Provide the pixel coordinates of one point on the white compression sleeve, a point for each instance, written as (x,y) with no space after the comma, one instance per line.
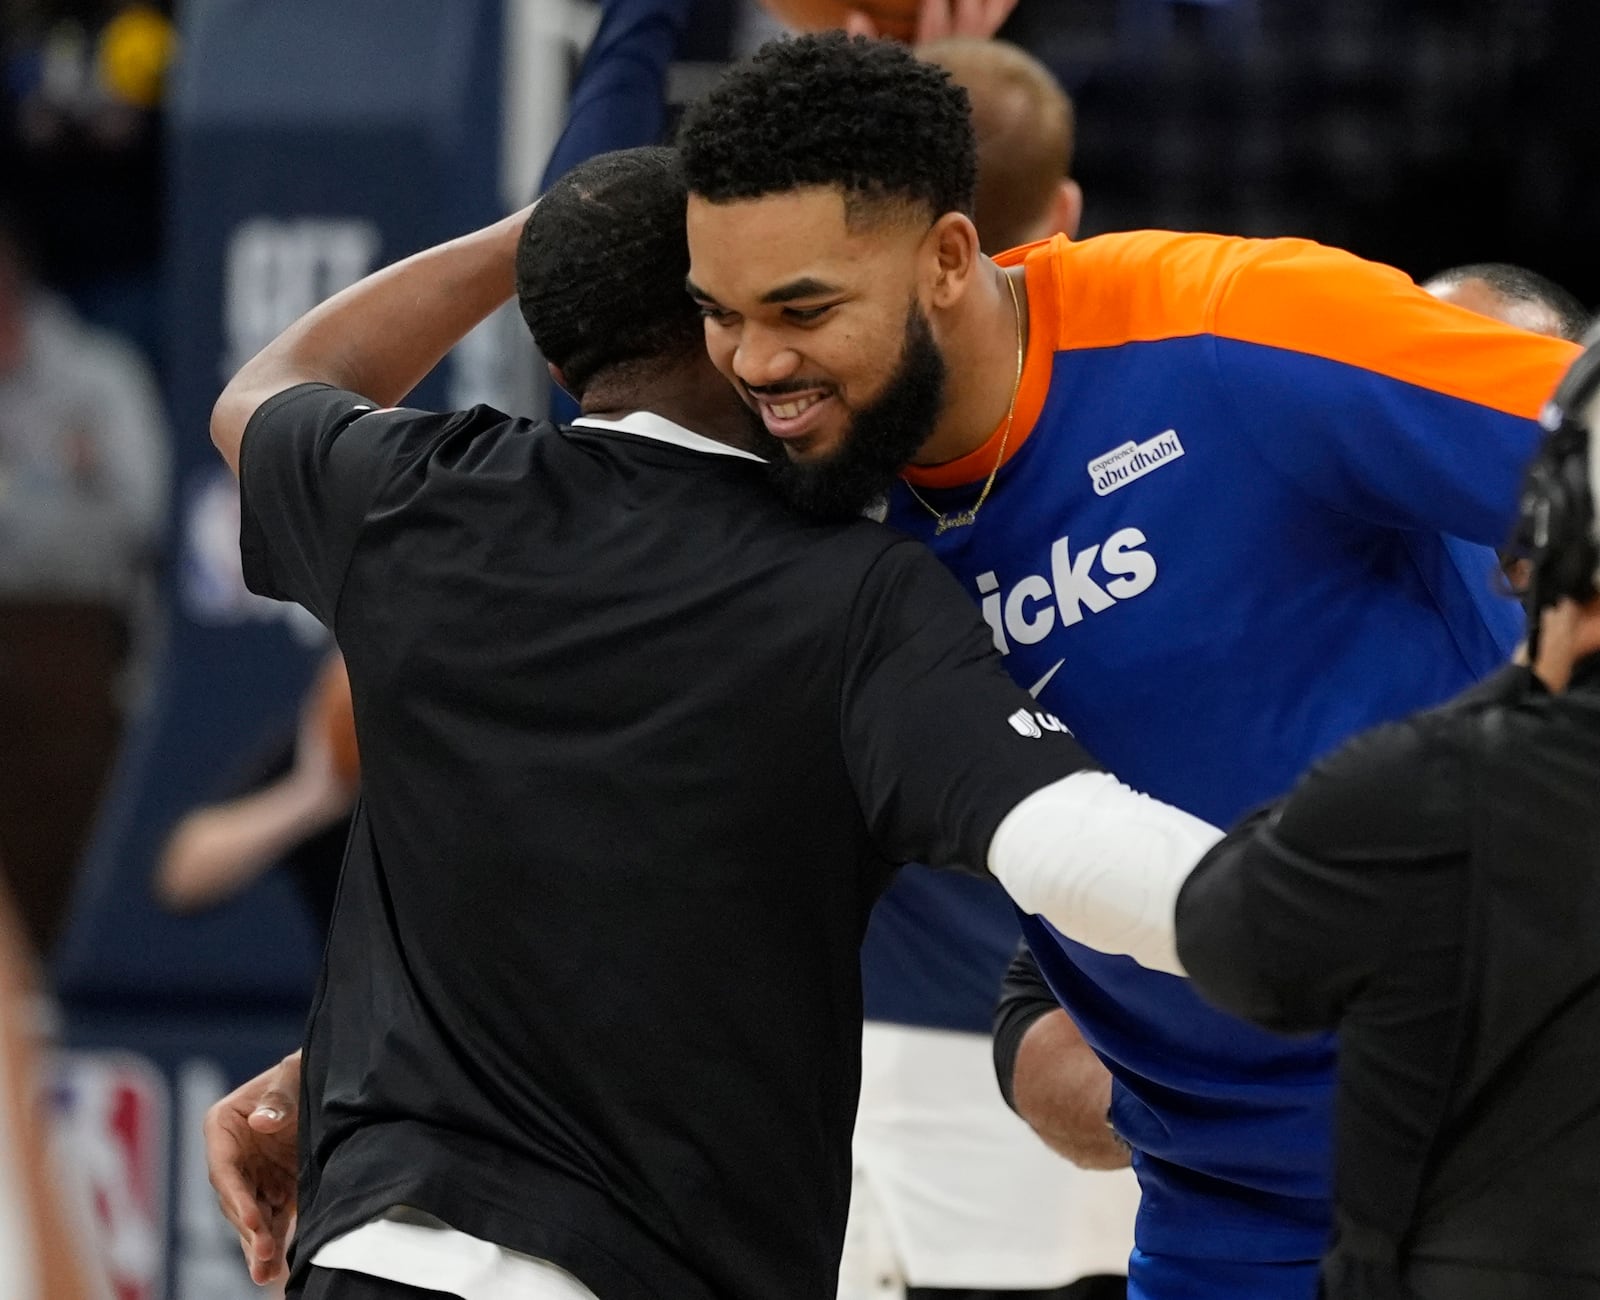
(1102,863)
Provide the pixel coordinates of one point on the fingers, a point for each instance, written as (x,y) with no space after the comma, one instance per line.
(250,1159)
(976,18)
(934,21)
(270,1261)
(273,1113)
(857,23)
(265,1260)
(225,1168)
(264,1232)
(999,11)
(274,1094)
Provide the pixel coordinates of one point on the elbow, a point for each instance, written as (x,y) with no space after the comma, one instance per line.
(184,879)
(229,416)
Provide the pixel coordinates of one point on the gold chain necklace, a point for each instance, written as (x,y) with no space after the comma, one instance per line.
(961,518)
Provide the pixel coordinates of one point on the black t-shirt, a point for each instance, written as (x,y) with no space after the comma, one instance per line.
(1432,890)
(639,747)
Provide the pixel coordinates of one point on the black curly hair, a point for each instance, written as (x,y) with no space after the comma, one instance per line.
(601,266)
(834,110)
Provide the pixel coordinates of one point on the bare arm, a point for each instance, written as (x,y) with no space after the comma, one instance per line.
(1048,1074)
(217,851)
(40,1250)
(380,337)
(1063,1091)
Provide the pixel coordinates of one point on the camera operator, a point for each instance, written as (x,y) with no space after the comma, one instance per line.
(1432,890)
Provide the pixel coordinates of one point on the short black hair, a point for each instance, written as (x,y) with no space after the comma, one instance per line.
(601,267)
(866,117)
(1522,285)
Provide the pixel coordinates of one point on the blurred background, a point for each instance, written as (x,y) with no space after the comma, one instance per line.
(180,180)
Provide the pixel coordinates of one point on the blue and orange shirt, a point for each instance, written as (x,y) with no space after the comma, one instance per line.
(1247,508)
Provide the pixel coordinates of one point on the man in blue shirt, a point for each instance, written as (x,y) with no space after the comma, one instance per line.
(1223,503)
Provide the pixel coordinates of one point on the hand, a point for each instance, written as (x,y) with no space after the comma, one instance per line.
(1559,645)
(1063,1091)
(937,18)
(251,1155)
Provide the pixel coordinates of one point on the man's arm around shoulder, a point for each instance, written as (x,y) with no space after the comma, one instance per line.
(381,336)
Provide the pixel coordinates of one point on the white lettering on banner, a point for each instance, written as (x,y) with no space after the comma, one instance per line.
(1121,465)
(277,270)
(1034,605)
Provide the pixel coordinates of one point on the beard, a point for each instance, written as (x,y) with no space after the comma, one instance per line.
(882,437)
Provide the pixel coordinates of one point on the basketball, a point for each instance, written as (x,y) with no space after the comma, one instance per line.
(897,18)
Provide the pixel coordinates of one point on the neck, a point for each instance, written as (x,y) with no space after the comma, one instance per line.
(694,396)
(981,385)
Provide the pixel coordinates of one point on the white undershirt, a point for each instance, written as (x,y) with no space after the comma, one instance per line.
(405,1246)
(646,424)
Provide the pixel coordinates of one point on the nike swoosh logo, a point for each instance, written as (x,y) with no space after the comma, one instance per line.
(1045,680)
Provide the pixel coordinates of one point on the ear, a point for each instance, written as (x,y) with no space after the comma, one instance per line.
(954,254)
(560,379)
(1066,209)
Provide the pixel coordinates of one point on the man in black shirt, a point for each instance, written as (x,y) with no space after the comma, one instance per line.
(1432,890)
(640,747)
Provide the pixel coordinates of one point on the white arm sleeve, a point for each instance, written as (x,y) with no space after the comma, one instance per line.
(1102,863)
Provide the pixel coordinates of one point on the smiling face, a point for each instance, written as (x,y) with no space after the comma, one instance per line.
(805,313)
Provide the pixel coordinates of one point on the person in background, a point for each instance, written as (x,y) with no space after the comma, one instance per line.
(1515,295)
(42,1250)
(1024,122)
(950,1191)
(1529,301)
(83,498)
(298,818)
(1432,890)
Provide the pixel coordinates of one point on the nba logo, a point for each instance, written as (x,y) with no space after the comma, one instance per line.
(112,1134)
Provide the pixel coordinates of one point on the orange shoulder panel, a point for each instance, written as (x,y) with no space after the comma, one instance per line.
(1324,302)
(1140,286)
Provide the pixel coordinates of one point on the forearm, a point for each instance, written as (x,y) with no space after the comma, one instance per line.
(215,852)
(50,1245)
(1102,864)
(1062,1089)
(619,100)
(380,337)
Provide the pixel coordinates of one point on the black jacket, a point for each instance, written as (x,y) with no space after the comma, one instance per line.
(1432,890)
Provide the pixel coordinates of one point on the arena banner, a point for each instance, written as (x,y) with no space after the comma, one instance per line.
(310,144)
